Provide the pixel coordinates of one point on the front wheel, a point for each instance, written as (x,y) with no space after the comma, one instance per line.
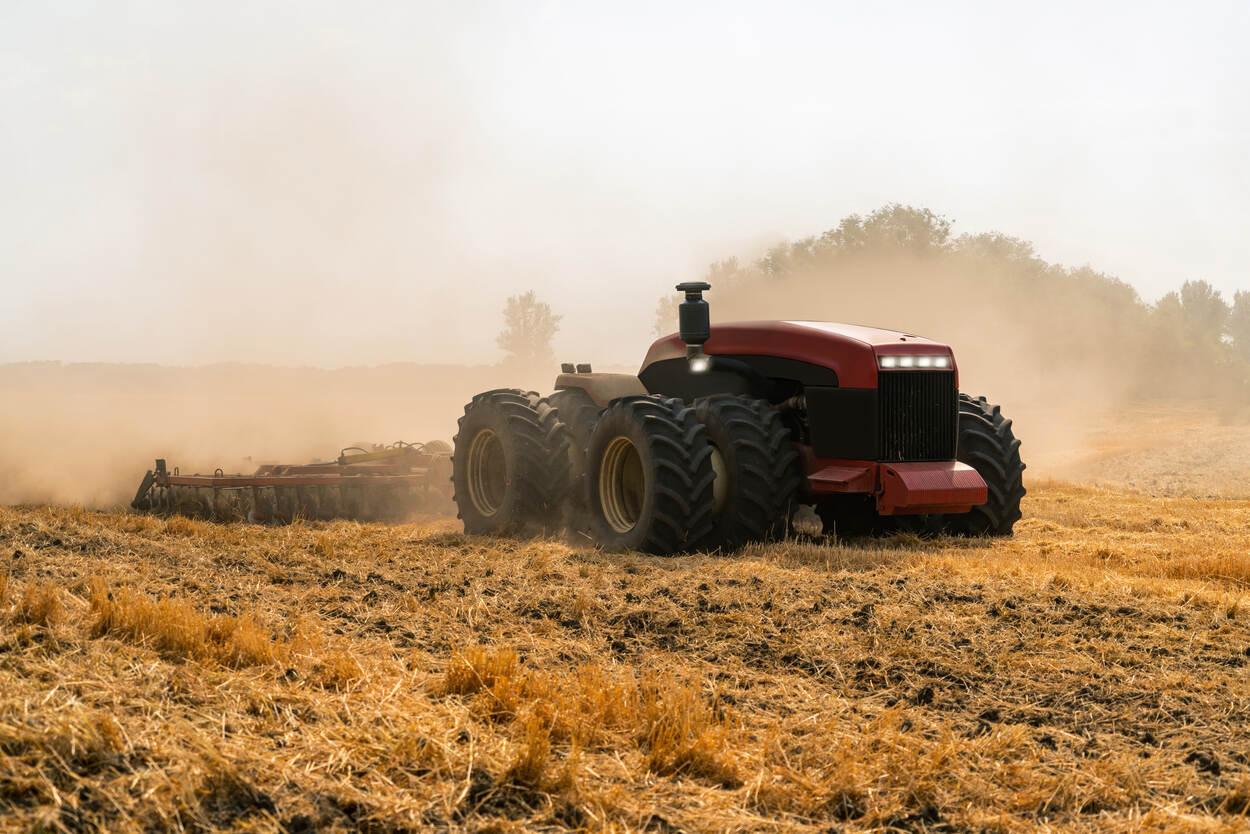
(988,445)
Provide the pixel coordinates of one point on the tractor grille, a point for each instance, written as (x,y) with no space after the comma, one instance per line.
(918,413)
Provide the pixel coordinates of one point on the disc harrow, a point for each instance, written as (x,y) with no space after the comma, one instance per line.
(382,483)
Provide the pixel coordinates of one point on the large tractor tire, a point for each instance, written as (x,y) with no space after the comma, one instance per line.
(756,468)
(649,476)
(510,468)
(987,444)
(578,414)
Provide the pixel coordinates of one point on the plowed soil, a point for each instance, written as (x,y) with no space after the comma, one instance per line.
(1089,674)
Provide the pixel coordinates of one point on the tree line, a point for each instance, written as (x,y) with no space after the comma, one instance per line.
(902,267)
(1011,314)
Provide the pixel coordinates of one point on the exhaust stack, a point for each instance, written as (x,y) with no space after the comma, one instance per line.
(694,325)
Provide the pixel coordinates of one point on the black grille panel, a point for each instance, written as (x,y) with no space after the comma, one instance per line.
(917,413)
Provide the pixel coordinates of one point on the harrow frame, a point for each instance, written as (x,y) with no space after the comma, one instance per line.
(384,483)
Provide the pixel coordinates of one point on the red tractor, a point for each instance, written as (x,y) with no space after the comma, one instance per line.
(725,432)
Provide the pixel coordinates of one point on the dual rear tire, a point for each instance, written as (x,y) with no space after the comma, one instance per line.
(510,465)
(646,473)
(649,476)
(662,476)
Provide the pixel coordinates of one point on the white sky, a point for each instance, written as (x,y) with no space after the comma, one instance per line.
(337,183)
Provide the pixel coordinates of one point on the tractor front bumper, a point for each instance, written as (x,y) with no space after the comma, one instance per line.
(918,488)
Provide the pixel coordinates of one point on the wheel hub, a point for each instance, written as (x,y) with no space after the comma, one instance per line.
(488,473)
(622,485)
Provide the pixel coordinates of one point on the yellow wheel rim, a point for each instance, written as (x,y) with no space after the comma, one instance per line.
(488,473)
(622,485)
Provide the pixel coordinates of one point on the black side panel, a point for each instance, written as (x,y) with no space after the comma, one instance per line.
(672,378)
(843,422)
(778,367)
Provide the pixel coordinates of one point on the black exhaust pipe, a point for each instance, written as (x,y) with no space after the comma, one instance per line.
(694,327)
(694,322)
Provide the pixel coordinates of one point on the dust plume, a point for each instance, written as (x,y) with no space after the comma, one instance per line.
(279,239)
(1102,387)
(84,434)
(308,216)
(295,215)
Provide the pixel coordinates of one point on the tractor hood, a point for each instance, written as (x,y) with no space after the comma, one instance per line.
(849,350)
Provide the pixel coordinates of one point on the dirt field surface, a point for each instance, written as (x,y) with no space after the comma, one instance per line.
(1201,450)
(1089,674)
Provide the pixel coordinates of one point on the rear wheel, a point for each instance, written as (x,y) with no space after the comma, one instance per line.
(649,476)
(756,470)
(510,469)
(988,445)
(578,414)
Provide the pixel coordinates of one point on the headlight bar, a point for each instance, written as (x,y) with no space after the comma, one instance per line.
(912,362)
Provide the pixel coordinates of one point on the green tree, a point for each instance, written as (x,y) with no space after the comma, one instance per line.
(891,227)
(787,259)
(529,327)
(1169,312)
(1239,324)
(1204,312)
(1111,292)
(996,246)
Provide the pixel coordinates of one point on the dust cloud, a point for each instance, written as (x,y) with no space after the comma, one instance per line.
(85,434)
(279,238)
(302,215)
(295,213)
(1097,391)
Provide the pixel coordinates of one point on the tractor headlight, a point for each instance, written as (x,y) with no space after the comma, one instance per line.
(908,362)
(699,364)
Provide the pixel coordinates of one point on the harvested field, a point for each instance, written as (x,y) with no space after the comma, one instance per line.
(1201,449)
(1089,674)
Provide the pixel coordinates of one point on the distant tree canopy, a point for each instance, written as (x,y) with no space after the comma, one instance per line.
(1238,325)
(1011,315)
(529,327)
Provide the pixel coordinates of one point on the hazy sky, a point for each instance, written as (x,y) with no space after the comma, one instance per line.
(336,183)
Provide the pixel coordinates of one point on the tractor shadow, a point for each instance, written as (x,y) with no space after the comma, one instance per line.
(833,553)
(830,551)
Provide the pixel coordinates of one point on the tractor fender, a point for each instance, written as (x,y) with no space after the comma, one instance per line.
(603,388)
